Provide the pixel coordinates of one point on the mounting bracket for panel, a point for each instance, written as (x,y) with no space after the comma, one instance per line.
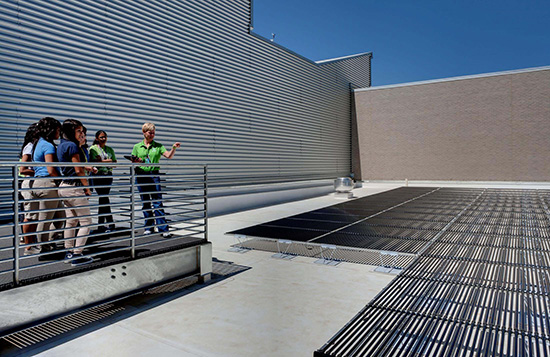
(385,268)
(328,260)
(283,255)
(238,248)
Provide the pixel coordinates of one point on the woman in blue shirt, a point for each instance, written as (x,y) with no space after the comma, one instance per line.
(75,191)
(44,186)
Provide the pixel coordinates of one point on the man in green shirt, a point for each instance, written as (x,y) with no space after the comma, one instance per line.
(148,181)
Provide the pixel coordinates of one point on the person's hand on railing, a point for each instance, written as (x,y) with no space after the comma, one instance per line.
(87,191)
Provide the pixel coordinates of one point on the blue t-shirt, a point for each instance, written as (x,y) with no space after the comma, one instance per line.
(65,151)
(42,149)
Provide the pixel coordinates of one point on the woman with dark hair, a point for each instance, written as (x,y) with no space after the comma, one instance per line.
(26,185)
(100,152)
(44,186)
(75,191)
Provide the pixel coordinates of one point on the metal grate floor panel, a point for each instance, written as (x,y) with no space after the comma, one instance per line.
(368,231)
(492,240)
(384,243)
(45,331)
(389,332)
(481,288)
(405,223)
(415,216)
(502,255)
(478,305)
(491,275)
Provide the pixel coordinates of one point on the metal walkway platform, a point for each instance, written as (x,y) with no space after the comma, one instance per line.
(52,265)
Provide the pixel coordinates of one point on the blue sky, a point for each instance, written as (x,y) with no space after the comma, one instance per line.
(413,40)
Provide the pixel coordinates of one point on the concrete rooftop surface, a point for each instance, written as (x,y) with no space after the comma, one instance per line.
(275,308)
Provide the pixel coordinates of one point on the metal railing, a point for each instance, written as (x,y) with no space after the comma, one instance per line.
(43,218)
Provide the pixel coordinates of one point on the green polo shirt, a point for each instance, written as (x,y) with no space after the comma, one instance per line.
(149,155)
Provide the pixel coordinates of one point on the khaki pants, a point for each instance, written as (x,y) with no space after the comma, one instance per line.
(76,206)
(45,189)
(29,206)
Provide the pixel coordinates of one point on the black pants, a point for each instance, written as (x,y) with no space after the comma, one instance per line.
(102,192)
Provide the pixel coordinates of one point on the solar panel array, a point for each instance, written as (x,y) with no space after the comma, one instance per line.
(385,221)
(480,287)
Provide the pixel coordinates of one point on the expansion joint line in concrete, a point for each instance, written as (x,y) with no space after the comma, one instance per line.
(374,215)
(442,231)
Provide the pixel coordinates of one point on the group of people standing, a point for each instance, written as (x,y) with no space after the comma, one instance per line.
(60,195)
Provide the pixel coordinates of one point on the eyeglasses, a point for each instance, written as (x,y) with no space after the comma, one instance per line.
(102,137)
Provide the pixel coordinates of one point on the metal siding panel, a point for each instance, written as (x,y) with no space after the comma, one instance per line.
(250,109)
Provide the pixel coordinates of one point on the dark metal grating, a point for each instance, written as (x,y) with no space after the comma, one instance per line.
(26,341)
(45,331)
(515,278)
(389,332)
(480,288)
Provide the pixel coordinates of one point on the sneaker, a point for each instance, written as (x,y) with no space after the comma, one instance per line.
(32,250)
(147,232)
(81,260)
(167,235)
(107,230)
(68,256)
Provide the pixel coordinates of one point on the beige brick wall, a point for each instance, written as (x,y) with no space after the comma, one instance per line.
(492,128)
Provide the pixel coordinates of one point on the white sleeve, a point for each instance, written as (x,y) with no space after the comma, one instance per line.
(27,150)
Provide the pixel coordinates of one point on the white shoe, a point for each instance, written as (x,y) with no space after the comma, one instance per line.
(167,235)
(147,232)
(32,250)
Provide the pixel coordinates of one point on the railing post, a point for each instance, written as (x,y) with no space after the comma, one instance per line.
(132,210)
(16,224)
(206,202)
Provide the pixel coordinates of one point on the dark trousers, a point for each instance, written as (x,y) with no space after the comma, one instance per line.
(104,202)
(150,192)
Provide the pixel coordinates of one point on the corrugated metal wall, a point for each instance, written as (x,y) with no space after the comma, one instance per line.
(250,109)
